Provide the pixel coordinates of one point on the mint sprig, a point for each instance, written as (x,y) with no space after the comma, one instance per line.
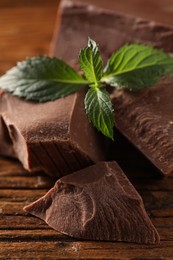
(42,79)
(133,67)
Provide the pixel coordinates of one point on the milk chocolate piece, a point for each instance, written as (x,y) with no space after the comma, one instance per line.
(160,11)
(145,118)
(96,203)
(55,136)
(110,28)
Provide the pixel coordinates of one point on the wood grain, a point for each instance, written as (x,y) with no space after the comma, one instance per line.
(26,29)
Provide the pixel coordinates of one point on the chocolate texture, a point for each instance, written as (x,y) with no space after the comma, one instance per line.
(145,118)
(160,11)
(55,136)
(96,203)
(110,28)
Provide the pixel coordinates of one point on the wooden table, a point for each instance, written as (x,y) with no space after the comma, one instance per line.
(25,30)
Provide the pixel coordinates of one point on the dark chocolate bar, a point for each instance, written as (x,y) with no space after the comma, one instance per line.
(96,203)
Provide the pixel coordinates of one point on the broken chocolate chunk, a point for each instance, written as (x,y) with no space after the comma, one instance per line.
(160,11)
(110,28)
(55,136)
(96,203)
(145,118)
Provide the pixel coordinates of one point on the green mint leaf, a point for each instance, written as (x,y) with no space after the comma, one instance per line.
(99,110)
(135,67)
(91,63)
(42,79)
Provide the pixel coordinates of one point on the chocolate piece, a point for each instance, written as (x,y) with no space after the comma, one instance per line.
(145,118)
(160,11)
(109,28)
(96,203)
(55,136)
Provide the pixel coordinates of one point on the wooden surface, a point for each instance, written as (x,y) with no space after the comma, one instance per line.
(26,29)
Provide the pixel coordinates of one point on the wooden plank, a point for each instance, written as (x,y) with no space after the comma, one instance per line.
(17,222)
(26,31)
(12,208)
(32,235)
(20,195)
(41,234)
(27,3)
(28,222)
(34,182)
(84,250)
